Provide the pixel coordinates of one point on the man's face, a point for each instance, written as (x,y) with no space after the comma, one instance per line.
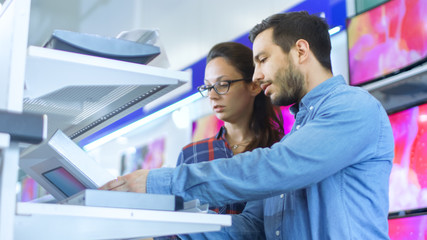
(275,71)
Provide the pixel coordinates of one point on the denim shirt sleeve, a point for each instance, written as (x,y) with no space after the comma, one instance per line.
(247,225)
(342,131)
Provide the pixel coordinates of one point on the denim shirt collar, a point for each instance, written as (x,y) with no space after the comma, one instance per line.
(316,93)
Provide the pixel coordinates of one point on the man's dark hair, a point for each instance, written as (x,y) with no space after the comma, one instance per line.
(288,28)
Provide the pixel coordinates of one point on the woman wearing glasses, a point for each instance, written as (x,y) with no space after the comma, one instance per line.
(250,120)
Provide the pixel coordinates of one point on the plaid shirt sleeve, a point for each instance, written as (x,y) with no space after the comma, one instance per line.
(207,150)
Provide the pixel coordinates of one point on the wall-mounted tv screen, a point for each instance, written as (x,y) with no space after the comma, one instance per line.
(408,179)
(386,40)
(408,228)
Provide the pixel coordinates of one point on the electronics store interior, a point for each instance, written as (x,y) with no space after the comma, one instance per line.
(95,90)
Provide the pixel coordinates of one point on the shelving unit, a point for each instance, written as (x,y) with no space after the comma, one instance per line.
(402,90)
(52,221)
(80,94)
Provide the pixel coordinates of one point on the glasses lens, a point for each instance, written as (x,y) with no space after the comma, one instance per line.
(222,87)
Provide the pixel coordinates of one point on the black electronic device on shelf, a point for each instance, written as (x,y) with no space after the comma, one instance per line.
(107,47)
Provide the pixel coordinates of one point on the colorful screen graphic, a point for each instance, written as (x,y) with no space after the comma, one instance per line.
(387,39)
(288,119)
(408,180)
(148,156)
(206,127)
(408,228)
(64,181)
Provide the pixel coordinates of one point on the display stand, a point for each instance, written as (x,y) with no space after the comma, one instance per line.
(54,221)
(402,90)
(14,15)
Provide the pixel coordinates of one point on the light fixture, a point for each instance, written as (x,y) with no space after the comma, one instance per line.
(128,128)
(181,117)
(334,30)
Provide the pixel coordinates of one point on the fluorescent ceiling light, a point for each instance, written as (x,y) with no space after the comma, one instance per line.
(141,122)
(334,30)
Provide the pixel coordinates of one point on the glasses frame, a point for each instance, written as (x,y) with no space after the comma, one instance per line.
(203,88)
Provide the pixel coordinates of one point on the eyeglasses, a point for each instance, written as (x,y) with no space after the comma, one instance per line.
(220,87)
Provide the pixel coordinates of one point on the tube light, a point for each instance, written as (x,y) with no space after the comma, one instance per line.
(334,30)
(141,122)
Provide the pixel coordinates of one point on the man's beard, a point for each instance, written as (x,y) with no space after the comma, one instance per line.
(291,86)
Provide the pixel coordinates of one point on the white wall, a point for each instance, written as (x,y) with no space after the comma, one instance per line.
(339,54)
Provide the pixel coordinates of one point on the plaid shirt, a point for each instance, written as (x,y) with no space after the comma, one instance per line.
(207,150)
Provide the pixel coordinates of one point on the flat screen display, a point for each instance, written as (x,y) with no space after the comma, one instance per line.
(386,40)
(408,179)
(288,119)
(408,228)
(64,181)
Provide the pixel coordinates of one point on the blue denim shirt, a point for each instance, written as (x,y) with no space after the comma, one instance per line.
(327,179)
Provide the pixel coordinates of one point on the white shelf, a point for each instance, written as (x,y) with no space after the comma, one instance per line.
(54,221)
(82,94)
(396,78)
(401,91)
(48,70)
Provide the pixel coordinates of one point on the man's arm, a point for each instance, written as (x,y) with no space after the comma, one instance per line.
(344,131)
(317,150)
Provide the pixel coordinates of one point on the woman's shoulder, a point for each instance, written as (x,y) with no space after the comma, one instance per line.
(200,142)
(206,149)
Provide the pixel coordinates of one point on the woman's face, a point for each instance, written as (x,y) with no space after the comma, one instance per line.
(237,104)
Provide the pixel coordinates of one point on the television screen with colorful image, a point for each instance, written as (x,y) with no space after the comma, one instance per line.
(148,156)
(408,179)
(408,228)
(386,40)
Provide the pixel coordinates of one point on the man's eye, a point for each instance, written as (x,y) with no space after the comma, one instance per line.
(261,60)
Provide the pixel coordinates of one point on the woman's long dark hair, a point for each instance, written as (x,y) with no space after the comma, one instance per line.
(267,120)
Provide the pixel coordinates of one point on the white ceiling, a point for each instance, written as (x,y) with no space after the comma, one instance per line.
(188,28)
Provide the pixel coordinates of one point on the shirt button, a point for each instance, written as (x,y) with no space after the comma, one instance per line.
(298,126)
(282,195)
(311,107)
(277,233)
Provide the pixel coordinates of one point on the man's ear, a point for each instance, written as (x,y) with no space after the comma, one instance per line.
(302,50)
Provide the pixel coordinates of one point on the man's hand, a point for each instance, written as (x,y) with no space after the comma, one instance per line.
(132,182)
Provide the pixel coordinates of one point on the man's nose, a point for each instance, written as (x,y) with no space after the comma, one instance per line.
(258,76)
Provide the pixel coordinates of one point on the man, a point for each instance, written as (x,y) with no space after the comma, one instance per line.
(327,179)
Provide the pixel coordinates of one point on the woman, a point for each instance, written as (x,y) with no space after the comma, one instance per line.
(250,119)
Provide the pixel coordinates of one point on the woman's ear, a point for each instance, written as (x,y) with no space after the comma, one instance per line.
(254,88)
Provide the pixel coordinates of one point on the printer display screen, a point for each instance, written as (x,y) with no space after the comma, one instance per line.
(64,181)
